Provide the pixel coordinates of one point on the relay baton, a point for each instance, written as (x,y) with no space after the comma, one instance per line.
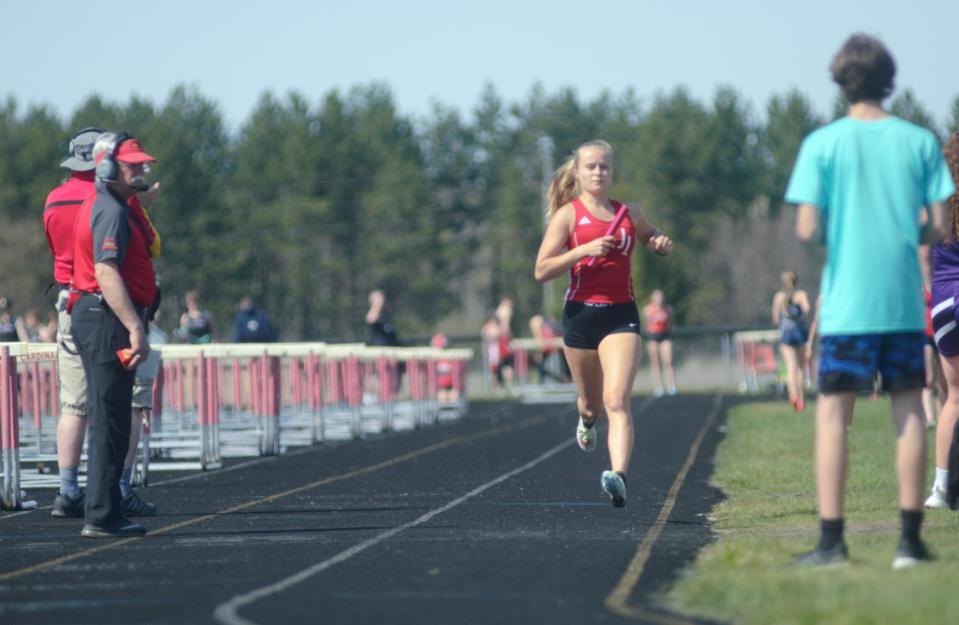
(618,219)
(125,355)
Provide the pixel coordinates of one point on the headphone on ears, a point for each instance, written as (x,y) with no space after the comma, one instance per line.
(107,167)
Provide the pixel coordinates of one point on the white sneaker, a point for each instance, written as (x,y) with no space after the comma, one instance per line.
(615,487)
(937,499)
(586,437)
(671,391)
(659,392)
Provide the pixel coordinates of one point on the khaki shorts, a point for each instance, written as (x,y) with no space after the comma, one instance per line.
(72,380)
(143,383)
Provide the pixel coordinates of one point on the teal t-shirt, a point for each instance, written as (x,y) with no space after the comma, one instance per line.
(869,180)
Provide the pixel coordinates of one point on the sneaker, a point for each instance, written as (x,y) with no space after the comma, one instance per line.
(909,554)
(66,507)
(134,506)
(586,437)
(615,487)
(658,392)
(823,558)
(937,499)
(800,405)
(123,528)
(671,391)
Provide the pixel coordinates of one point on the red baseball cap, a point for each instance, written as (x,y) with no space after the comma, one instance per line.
(131,152)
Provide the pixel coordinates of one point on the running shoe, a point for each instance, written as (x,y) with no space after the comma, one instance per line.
(671,391)
(586,437)
(66,507)
(134,506)
(659,392)
(910,554)
(615,487)
(937,499)
(823,558)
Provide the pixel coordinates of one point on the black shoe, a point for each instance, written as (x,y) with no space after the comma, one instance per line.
(123,528)
(67,507)
(823,558)
(909,554)
(134,506)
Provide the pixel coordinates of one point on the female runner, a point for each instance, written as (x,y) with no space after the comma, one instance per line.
(600,320)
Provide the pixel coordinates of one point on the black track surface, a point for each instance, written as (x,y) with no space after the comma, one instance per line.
(543,546)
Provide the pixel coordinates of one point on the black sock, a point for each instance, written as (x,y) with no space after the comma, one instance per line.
(911,522)
(587,424)
(622,475)
(831,533)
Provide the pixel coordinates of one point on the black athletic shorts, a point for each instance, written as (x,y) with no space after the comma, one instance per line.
(659,337)
(586,325)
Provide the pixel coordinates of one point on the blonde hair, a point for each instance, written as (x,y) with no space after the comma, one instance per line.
(563,188)
(789,281)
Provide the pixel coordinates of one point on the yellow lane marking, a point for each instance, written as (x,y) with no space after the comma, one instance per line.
(617,601)
(267,499)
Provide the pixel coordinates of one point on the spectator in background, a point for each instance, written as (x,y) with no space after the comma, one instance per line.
(865,178)
(945,314)
(11,326)
(505,370)
(48,331)
(251,325)
(446,388)
(790,311)
(657,316)
(549,360)
(489,340)
(497,340)
(142,406)
(32,326)
(382,332)
(935,391)
(196,324)
(379,321)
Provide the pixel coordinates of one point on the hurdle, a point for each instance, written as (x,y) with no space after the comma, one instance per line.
(548,389)
(216,401)
(13,386)
(756,359)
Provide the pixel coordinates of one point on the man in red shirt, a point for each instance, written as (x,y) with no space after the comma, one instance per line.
(59,219)
(113,291)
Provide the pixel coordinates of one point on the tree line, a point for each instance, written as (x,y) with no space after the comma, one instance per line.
(310,205)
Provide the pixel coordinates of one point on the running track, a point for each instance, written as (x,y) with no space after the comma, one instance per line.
(496,518)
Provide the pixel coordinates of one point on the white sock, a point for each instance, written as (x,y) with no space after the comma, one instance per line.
(942,479)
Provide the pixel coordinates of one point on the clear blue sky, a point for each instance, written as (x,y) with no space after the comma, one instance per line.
(59,52)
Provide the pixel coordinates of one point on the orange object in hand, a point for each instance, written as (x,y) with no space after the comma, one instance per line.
(125,355)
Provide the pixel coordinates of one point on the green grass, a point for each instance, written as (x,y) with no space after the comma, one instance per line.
(765,469)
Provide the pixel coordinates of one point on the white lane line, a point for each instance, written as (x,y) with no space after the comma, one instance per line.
(227,612)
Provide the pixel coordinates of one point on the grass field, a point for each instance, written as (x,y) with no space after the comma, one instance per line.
(764,467)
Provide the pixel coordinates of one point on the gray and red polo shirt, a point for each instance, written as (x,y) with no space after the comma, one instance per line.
(107,230)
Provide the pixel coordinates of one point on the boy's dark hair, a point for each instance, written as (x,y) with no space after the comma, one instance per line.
(864,69)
